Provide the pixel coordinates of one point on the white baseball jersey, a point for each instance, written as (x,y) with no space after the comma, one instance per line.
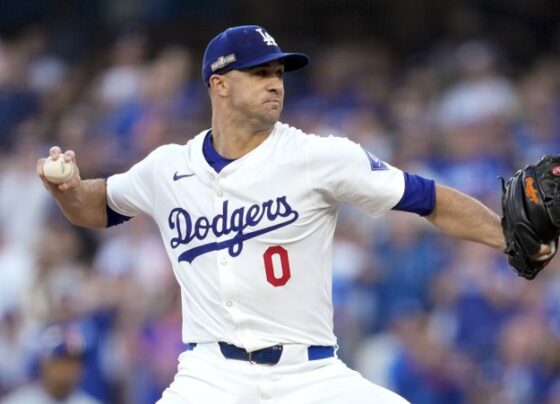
(251,246)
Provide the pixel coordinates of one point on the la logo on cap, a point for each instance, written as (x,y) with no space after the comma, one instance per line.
(267,38)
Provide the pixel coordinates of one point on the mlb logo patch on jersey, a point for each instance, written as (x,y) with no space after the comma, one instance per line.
(375,163)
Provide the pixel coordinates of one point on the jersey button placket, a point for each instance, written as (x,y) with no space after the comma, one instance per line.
(224,262)
(228,284)
(226,277)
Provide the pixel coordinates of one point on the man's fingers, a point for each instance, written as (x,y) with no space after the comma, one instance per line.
(546,252)
(40,164)
(69,155)
(546,249)
(54,152)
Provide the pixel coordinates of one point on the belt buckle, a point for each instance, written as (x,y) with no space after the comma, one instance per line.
(250,357)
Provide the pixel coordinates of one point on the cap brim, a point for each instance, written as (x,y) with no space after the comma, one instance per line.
(292,61)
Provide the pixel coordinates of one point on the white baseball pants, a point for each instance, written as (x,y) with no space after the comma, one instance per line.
(205,376)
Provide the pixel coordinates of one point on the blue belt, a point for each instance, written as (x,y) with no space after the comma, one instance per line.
(270,355)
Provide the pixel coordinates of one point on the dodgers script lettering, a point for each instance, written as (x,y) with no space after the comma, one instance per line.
(276,213)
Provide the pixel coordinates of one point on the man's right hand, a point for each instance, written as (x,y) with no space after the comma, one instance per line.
(69,156)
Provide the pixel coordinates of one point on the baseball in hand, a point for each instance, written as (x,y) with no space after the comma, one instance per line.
(59,171)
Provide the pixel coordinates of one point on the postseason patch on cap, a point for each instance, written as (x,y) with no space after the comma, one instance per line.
(375,163)
(222,62)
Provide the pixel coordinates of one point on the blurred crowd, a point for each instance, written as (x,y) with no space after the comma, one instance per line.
(437,320)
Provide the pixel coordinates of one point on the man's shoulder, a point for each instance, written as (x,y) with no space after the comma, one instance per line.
(289,131)
(176,149)
(312,141)
(286,129)
(288,134)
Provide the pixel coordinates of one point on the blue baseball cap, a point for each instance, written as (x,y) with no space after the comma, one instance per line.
(243,47)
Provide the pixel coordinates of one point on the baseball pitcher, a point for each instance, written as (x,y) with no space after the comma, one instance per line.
(247,211)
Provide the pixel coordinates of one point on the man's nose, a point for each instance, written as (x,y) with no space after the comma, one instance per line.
(276,85)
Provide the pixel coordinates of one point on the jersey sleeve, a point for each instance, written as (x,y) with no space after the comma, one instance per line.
(343,171)
(132,192)
(419,195)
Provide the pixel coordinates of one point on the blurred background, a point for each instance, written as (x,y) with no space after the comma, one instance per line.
(462,92)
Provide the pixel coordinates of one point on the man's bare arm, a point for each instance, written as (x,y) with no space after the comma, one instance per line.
(83,202)
(462,216)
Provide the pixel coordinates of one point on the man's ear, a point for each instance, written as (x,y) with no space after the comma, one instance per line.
(218,83)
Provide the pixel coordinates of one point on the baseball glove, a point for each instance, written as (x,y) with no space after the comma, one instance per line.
(531,215)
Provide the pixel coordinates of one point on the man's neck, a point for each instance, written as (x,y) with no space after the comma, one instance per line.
(234,141)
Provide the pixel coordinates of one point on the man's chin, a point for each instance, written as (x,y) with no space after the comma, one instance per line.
(271,118)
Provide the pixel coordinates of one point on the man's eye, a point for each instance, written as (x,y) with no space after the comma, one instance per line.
(267,73)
